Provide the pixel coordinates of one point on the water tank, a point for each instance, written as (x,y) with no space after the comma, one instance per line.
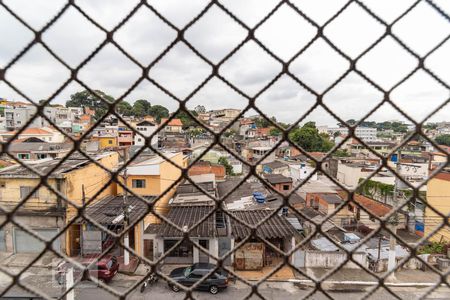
(259,197)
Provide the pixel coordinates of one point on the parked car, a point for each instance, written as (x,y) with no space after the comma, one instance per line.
(103,270)
(190,275)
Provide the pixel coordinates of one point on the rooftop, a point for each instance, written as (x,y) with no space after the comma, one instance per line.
(173,122)
(275,165)
(275,227)
(109,210)
(331,198)
(277,178)
(186,217)
(44,166)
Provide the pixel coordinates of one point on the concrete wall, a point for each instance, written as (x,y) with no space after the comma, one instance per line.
(320,259)
(438,197)
(32,222)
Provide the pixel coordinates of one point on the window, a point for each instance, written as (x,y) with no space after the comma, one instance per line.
(23,156)
(285,187)
(138,183)
(110,142)
(195,275)
(26,190)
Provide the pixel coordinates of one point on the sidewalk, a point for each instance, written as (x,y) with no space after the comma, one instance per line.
(360,279)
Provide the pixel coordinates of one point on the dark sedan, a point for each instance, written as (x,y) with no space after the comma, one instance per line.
(190,275)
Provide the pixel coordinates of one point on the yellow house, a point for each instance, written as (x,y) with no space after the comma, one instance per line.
(153,177)
(105,142)
(42,210)
(438,196)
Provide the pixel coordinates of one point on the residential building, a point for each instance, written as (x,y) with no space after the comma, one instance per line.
(152,176)
(438,195)
(125,137)
(45,212)
(145,129)
(247,128)
(33,148)
(17,116)
(174,126)
(206,167)
(44,134)
(110,213)
(276,167)
(279,182)
(366,134)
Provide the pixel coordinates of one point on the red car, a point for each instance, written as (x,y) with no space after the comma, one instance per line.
(103,270)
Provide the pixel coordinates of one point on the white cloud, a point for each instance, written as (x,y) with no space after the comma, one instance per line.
(145,36)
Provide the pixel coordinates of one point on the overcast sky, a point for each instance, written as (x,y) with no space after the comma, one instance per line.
(72,37)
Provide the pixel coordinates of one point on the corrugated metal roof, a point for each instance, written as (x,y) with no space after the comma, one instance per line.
(186,216)
(109,210)
(276,227)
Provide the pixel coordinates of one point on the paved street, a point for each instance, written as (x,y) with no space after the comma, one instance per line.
(271,290)
(276,290)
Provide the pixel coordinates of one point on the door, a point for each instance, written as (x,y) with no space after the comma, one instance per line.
(26,243)
(148,249)
(202,257)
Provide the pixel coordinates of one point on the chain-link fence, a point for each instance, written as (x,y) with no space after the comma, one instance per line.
(246,228)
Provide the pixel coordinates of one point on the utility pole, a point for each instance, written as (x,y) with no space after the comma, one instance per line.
(126,239)
(83,202)
(394,223)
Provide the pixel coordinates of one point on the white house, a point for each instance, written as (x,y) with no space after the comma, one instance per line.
(145,128)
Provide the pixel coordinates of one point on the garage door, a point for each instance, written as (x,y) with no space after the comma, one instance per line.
(25,243)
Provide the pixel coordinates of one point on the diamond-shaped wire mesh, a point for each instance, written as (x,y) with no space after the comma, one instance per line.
(283,66)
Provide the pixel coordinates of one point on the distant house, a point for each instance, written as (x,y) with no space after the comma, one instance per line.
(34,148)
(49,135)
(145,129)
(276,167)
(206,167)
(174,126)
(327,203)
(279,182)
(375,209)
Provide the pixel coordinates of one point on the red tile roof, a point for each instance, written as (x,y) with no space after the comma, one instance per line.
(374,207)
(173,122)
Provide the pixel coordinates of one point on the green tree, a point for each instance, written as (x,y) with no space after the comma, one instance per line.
(443,139)
(141,107)
(124,108)
(308,138)
(275,132)
(87,99)
(186,119)
(158,112)
(228,168)
(341,153)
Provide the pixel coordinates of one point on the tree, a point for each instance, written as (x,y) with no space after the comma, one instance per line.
(124,108)
(158,112)
(275,132)
(228,168)
(87,99)
(309,139)
(443,139)
(141,107)
(261,122)
(200,109)
(341,153)
(186,119)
